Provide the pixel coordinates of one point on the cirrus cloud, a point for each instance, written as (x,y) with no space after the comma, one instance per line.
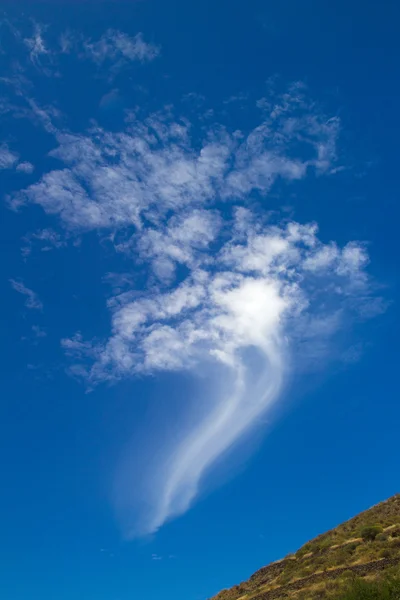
(253,310)
(226,289)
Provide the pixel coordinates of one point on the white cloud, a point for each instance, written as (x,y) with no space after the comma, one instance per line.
(38,331)
(114,49)
(115,45)
(76,345)
(354,258)
(112,46)
(217,303)
(66,41)
(25,167)
(32,299)
(180,241)
(225,293)
(7,157)
(322,258)
(46,239)
(256,296)
(36,44)
(115,180)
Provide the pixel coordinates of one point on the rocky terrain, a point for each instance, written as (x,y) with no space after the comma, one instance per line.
(366,546)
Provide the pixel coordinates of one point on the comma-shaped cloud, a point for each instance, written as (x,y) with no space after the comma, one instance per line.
(266,298)
(229,290)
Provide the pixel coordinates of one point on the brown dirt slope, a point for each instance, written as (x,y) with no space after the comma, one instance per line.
(366,545)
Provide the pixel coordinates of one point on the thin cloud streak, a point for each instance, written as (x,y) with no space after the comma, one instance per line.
(32,299)
(115,45)
(233,415)
(249,322)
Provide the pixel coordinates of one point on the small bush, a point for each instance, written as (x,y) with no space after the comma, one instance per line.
(325,543)
(382,537)
(348,574)
(394,533)
(352,546)
(383,589)
(370,532)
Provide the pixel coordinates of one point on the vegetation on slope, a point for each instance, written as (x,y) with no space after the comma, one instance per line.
(383,588)
(365,546)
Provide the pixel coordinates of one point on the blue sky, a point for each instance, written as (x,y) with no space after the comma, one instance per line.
(199,226)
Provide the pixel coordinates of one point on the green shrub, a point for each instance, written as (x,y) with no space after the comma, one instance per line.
(382,589)
(331,584)
(326,542)
(352,546)
(285,578)
(370,532)
(304,550)
(382,537)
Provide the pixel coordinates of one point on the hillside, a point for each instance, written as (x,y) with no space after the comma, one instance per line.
(366,546)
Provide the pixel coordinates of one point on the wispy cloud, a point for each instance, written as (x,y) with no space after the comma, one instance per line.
(116,45)
(115,180)
(38,332)
(228,293)
(46,239)
(7,157)
(182,240)
(114,49)
(247,311)
(9,160)
(32,300)
(36,44)
(119,282)
(25,167)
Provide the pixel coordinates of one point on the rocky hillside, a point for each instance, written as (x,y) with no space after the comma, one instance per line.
(366,546)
